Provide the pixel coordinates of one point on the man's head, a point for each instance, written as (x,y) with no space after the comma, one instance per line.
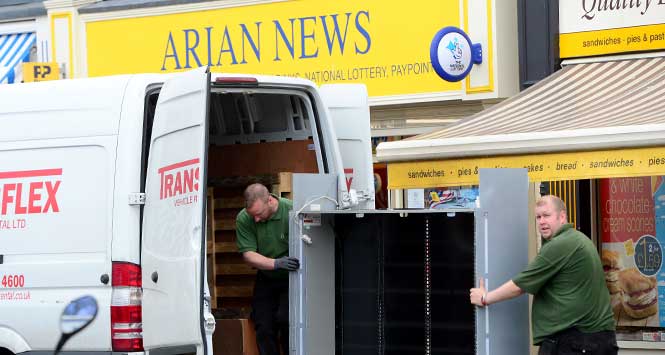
(550,215)
(258,203)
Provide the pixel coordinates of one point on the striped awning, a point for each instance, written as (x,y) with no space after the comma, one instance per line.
(14,49)
(585,106)
(580,96)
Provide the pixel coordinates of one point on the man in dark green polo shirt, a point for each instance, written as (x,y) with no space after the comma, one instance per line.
(571,311)
(262,231)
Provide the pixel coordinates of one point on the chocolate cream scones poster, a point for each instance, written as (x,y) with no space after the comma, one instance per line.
(632,212)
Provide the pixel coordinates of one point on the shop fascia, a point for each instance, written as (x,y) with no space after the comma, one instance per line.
(198,46)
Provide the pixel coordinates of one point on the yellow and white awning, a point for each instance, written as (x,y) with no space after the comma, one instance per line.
(600,114)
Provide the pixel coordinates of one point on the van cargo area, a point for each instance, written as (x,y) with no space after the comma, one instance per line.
(257,135)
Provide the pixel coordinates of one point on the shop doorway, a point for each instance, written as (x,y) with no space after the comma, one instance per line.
(577,194)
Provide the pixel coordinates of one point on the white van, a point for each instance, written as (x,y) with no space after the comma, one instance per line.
(103,192)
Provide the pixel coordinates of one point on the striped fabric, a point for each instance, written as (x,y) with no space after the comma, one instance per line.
(591,95)
(14,49)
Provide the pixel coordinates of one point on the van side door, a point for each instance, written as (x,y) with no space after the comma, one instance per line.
(172,245)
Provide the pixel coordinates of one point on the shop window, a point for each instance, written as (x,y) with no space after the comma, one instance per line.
(377,140)
(632,232)
(380,186)
(451,197)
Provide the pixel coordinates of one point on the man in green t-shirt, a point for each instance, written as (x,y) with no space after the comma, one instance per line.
(262,231)
(571,311)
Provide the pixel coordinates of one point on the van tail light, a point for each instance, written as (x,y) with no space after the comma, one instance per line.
(126,308)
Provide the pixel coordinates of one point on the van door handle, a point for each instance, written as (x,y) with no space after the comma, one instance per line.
(154,276)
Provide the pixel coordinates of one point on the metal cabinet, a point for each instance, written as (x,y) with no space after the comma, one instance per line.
(397,281)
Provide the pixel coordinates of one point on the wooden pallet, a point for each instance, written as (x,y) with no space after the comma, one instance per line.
(211,250)
(230,280)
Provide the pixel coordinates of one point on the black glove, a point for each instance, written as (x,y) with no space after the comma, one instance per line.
(287,263)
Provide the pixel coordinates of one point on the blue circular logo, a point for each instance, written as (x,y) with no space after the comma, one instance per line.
(648,255)
(453,55)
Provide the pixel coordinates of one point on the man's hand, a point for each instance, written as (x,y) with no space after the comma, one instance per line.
(476,295)
(287,263)
(504,292)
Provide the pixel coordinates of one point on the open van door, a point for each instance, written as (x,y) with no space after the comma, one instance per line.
(349,110)
(173,250)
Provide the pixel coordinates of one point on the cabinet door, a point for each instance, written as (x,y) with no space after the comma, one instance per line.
(312,288)
(501,253)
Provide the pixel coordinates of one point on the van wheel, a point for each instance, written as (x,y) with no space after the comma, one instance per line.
(4,351)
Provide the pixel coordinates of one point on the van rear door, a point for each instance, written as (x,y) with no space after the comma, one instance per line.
(349,111)
(172,249)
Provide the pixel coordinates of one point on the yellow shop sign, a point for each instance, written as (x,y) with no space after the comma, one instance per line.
(598,27)
(631,39)
(540,167)
(33,71)
(382,44)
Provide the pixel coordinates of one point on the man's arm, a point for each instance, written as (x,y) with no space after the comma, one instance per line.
(258,261)
(504,292)
(261,262)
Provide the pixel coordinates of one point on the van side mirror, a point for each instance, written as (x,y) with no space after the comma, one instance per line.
(77,315)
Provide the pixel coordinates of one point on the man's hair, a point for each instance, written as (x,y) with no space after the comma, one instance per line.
(558,203)
(255,192)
